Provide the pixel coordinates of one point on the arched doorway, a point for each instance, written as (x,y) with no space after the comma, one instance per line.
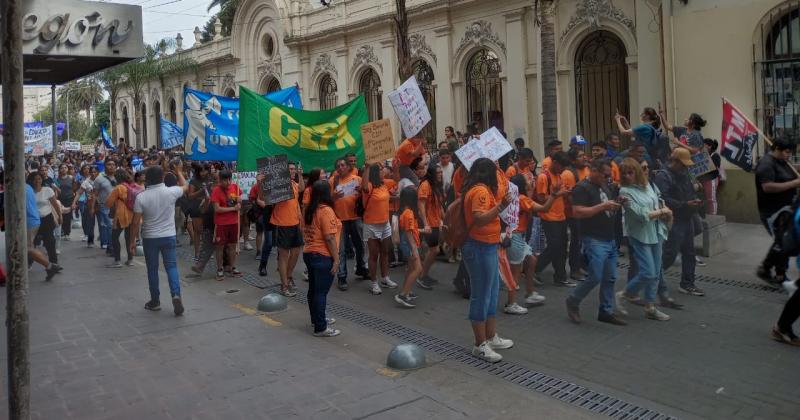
(424,75)
(269,85)
(173,111)
(143,117)
(126,124)
(601,84)
(484,91)
(780,73)
(157,122)
(230,93)
(369,84)
(327,92)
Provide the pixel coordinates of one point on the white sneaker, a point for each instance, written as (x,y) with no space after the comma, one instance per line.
(654,313)
(248,247)
(535,299)
(498,343)
(388,283)
(375,289)
(515,309)
(485,352)
(619,300)
(790,286)
(328,332)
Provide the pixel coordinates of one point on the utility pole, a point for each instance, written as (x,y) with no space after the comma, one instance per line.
(16,226)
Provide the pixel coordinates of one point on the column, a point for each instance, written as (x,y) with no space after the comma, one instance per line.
(445,112)
(516,98)
(645,63)
(342,74)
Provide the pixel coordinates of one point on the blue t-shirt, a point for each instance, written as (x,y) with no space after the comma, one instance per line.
(31,211)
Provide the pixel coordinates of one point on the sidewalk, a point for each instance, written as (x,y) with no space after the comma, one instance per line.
(97,354)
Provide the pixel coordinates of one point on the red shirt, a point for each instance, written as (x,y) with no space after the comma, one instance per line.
(222,197)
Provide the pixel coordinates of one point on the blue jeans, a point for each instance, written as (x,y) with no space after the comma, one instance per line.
(87,222)
(166,247)
(648,261)
(320,280)
(104,224)
(351,229)
(483,268)
(266,247)
(681,239)
(601,263)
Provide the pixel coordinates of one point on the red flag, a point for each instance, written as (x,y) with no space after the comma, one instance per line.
(739,137)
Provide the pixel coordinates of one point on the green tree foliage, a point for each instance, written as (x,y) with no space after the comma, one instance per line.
(226,14)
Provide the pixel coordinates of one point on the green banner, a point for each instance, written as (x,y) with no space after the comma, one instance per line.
(314,138)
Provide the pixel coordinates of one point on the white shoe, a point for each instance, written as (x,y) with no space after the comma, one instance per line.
(388,283)
(485,352)
(654,313)
(515,309)
(328,332)
(619,300)
(248,247)
(790,286)
(498,343)
(535,299)
(375,289)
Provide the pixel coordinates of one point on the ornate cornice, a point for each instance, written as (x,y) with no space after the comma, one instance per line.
(365,55)
(271,67)
(324,65)
(419,47)
(228,82)
(591,11)
(479,33)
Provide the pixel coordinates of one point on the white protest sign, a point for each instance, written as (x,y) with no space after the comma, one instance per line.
(410,107)
(245,181)
(491,145)
(38,140)
(511,214)
(72,145)
(348,189)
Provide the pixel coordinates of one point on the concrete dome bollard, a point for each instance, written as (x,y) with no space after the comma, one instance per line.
(139,251)
(272,302)
(406,357)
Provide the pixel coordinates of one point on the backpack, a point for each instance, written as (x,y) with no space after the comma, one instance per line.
(785,227)
(133,192)
(457,230)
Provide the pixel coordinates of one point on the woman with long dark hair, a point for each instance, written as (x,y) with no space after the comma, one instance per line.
(649,133)
(123,216)
(377,228)
(431,204)
(49,213)
(482,215)
(321,234)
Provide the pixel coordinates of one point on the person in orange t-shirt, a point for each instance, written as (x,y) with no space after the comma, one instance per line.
(226,198)
(600,151)
(575,173)
(321,233)
(409,226)
(526,165)
(410,150)
(480,255)
(553,147)
(554,221)
(431,205)
(288,235)
(377,228)
(346,192)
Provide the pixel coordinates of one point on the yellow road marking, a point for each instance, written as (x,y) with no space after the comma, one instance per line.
(246,309)
(269,321)
(391,373)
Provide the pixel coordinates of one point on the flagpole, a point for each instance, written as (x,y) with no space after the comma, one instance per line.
(758,130)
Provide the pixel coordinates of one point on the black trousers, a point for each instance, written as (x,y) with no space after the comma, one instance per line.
(775,257)
(790,314)
(556,251)
(115,233)
(45,236)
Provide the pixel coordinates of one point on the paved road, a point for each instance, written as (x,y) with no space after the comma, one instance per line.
(96,354)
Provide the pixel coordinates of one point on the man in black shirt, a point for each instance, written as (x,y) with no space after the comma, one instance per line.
(595,210)
(776,186)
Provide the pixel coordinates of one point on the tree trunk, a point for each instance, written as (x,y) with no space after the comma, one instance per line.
(401,33)
(548,71)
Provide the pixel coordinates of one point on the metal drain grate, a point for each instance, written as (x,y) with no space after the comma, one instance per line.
(673,274)
(570,393)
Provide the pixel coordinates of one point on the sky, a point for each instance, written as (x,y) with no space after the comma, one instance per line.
(166,18)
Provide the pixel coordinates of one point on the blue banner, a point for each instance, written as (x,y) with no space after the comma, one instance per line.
(137,163)
(171,134)
(107,139)
(211,123)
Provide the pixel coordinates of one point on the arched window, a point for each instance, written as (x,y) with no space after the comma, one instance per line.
(370,86)
(143,118)
(229,92)
(424,75)
(126,124)
(780,73)
(601,84)
(327,92)
(173,111)
(484,91)
(269,85)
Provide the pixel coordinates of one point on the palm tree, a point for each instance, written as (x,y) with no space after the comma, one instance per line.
(111,81)
(544,18)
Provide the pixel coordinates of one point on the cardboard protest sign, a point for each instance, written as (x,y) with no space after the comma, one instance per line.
(410,107)
(378,141)
(491,145)
(87,148)
(702,164)
(277,184)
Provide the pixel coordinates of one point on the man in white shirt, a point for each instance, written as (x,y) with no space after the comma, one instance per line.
(446,163)
(154,212)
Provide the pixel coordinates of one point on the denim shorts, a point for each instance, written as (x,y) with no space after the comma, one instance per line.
(482,265)
(519,249)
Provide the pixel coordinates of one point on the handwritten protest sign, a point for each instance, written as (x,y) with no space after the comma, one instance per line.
(277,184)
(349,188)
(511,213)
(491,144)
(702,164)
(378,141)
(245,181)
(72,145)
(410,107)
(87,148)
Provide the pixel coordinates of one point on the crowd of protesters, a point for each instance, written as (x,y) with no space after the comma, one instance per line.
(573,212)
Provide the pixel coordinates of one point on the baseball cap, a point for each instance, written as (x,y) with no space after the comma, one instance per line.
(577,139)
(683,155)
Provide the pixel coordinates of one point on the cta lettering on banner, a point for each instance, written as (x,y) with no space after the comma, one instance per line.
(410,107)
(378,141)
(491,145)
(277,184)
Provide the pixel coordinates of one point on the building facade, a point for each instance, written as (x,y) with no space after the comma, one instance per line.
(478,62)
(33,99)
